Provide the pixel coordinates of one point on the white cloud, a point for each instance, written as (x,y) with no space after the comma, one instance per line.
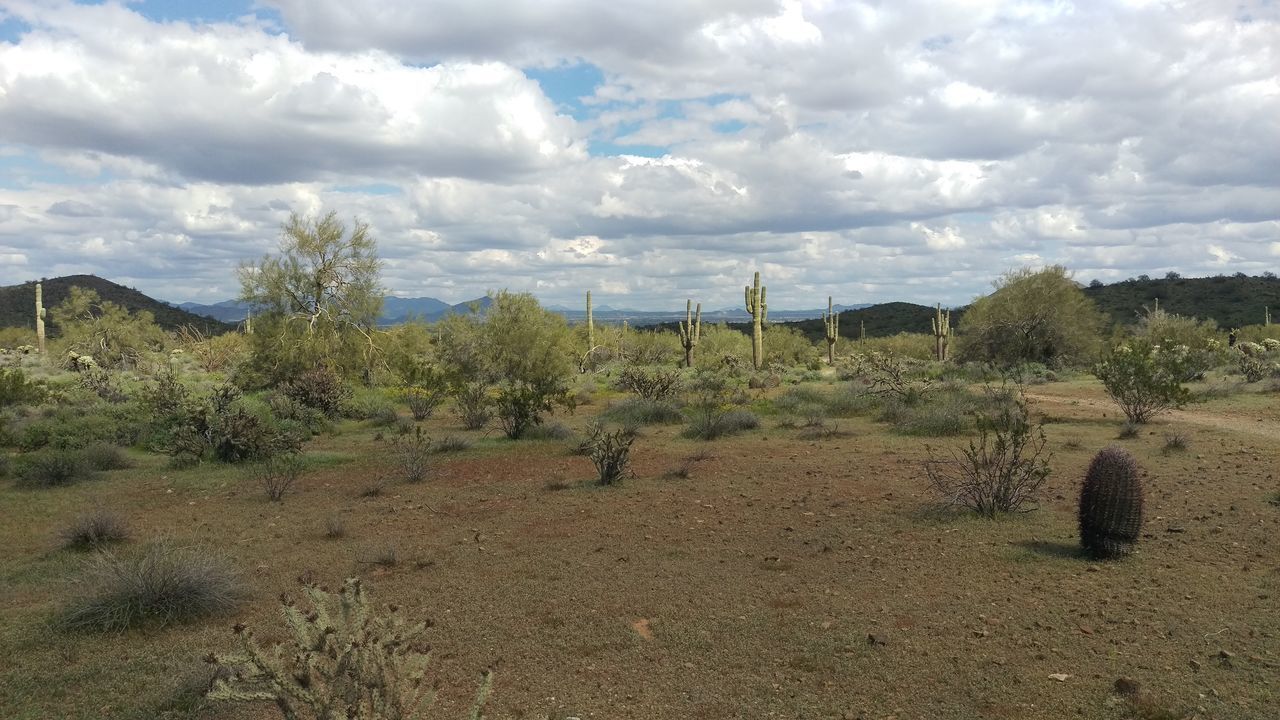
(839,146)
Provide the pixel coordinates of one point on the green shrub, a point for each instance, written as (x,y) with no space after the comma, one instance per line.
(548,431)
(77,427)
(51,467)
(17,389)
(105,457)
(1143,379)
(638,411)
(729,422)
(159,584)
(611,454)
(277,474)
(653,384)
(319,388)
(4,465)
(520,406)
(94,530)
(472,405)
(941,415)
(423,401)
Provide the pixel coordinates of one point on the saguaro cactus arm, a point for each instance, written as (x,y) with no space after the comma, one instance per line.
(690,331)
(759,309)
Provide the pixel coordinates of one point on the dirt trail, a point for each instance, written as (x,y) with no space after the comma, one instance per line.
(1248,425)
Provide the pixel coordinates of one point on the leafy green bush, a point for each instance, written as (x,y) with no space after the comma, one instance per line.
(160,584)
(51,467)
(17,389)
(71,427)
(520,405)
(472,405)
(1143,379)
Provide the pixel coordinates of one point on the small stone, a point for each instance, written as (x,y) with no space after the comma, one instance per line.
(1195,665)
(1127,686)
(874,640)
(1060,677)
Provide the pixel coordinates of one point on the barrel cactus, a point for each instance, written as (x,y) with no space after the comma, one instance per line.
(1111,505)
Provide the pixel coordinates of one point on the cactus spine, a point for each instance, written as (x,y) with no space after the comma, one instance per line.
(831,321)
(40,313)
(1110,505)
(690,332)
(591,328)
(941,333)
(759,310)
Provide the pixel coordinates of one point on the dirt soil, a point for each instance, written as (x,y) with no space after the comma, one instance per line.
(782,578)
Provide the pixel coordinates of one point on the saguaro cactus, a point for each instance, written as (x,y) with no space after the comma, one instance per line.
(941,333)
(40,313)
(690,332)
(591,328)
(759,310)
(862,331)
(1266,315)
(1111,505)
(831,322)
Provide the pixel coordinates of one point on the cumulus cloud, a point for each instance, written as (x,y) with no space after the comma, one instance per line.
(840,147)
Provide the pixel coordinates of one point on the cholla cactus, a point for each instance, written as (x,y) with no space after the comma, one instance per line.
(1271,344)
(346,662)
(1252,349)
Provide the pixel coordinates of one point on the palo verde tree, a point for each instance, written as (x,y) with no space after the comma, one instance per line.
(105,331)
(318,299)
(1033,316)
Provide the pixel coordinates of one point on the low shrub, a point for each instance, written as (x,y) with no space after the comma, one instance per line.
(319,388)
(412,453)
(335,528)
(521,405)
(17,389)
(451,443)
(277,474)
(105,457)
(999,472)
(639,411)
(1143,379)
(51,467)
(472,405)
(1128,430)
(422,401)
(94,530)
(652,384)
(160,584)
(730,422)
(548,431)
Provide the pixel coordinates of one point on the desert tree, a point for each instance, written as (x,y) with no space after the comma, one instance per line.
(319,298)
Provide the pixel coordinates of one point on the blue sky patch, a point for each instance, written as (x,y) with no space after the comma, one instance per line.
(568,85)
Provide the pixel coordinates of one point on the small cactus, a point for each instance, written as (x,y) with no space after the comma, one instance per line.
(40,316)
(1110,505)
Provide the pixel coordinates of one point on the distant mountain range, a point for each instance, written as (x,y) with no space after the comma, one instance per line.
(396,310)
(1232,301)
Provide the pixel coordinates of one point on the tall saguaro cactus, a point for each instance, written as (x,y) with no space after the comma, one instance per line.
(1266,315)
(759,310)
(690,331)
(591,328)
(941,333)
(40,313)
(831,322)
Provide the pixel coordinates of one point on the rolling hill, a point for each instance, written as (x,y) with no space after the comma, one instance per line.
(17,303)
(1232,301)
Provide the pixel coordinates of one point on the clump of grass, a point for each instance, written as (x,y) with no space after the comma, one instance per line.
(335,528)
(556,484)
(412,453)
(386,556)
(824,431)
(52,467)
(1072,443)
(1174,442)
(95,530)
(161,584)
(731,422)
(1128,430)
(641,411)
(547,431)
(374,489)
(451,443)
(105,457)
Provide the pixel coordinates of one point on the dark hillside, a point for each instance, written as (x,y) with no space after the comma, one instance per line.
(17,303)
(1233,301)
(880,321)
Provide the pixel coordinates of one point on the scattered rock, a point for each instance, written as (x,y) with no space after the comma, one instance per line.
(873,640)
(1060,677)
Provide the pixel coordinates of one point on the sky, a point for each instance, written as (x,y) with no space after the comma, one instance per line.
(647,151)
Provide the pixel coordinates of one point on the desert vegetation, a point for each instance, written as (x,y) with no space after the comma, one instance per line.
(746,521)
